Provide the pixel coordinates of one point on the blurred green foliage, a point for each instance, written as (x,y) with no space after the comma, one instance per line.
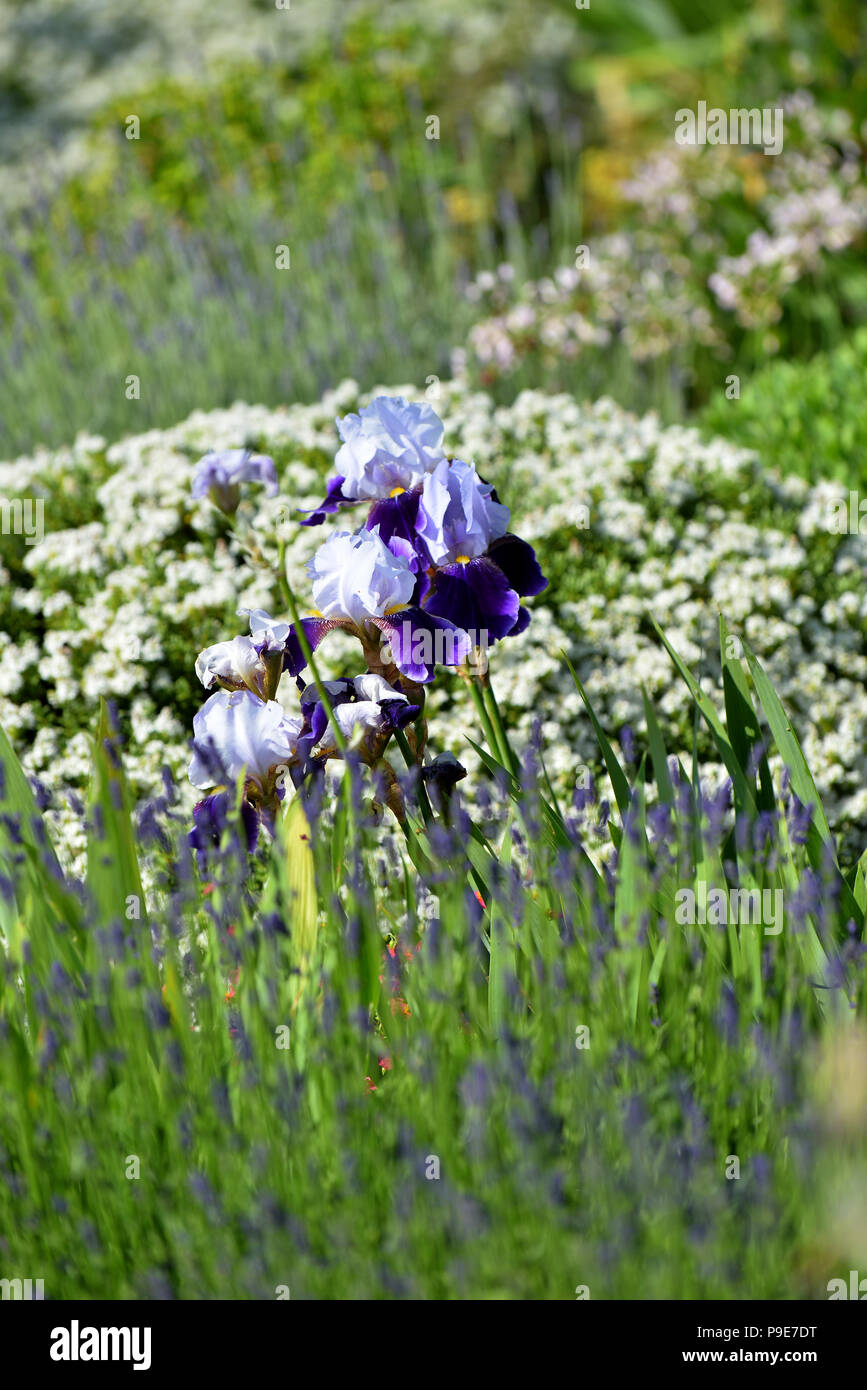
(162,248)
(807,418)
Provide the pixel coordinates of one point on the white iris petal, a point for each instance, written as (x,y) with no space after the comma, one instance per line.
(357,577)
(243,732)
(390,444)
(457,515)
(236,662)
(267,632)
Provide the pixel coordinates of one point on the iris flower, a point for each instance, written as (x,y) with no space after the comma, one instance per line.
(219,476)
(237,734)
(478,570)
(366,708)
(387,450)
(239,665)
(437,514)
(254,663)
(362,586)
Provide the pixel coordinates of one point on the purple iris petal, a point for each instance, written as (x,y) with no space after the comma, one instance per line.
(398,713)
(522,622)
(250,822)
(477,597)
(422,588)
(210,817)
(420,640)
(334,500)
(318,722)
(518,562)
(415,555)
(396,519)
(315,629)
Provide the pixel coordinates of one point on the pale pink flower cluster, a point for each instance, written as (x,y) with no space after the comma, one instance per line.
(668,279)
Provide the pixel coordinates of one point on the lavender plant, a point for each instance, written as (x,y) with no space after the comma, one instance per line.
(517,1072)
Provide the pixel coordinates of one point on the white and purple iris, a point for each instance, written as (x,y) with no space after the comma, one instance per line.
(478,570)
(433,573)
(362,585)
(387,449)
(438,515)
(219,475)
(254,663)
(235,731)
(236,734)
(366,709)
(240,732)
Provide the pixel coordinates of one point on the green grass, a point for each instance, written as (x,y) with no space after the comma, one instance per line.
(504,1152)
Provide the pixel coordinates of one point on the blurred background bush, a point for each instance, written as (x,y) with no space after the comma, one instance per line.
(307,127)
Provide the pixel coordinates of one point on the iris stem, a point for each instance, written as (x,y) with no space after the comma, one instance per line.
(307,650)
(423,799)
(478,701)
(508,755)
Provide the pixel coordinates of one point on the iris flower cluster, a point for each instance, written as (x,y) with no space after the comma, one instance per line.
(432,577)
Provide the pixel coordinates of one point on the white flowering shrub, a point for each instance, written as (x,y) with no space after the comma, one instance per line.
(629,519)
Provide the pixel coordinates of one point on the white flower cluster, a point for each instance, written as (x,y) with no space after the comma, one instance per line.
(679,527)
(631,289)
